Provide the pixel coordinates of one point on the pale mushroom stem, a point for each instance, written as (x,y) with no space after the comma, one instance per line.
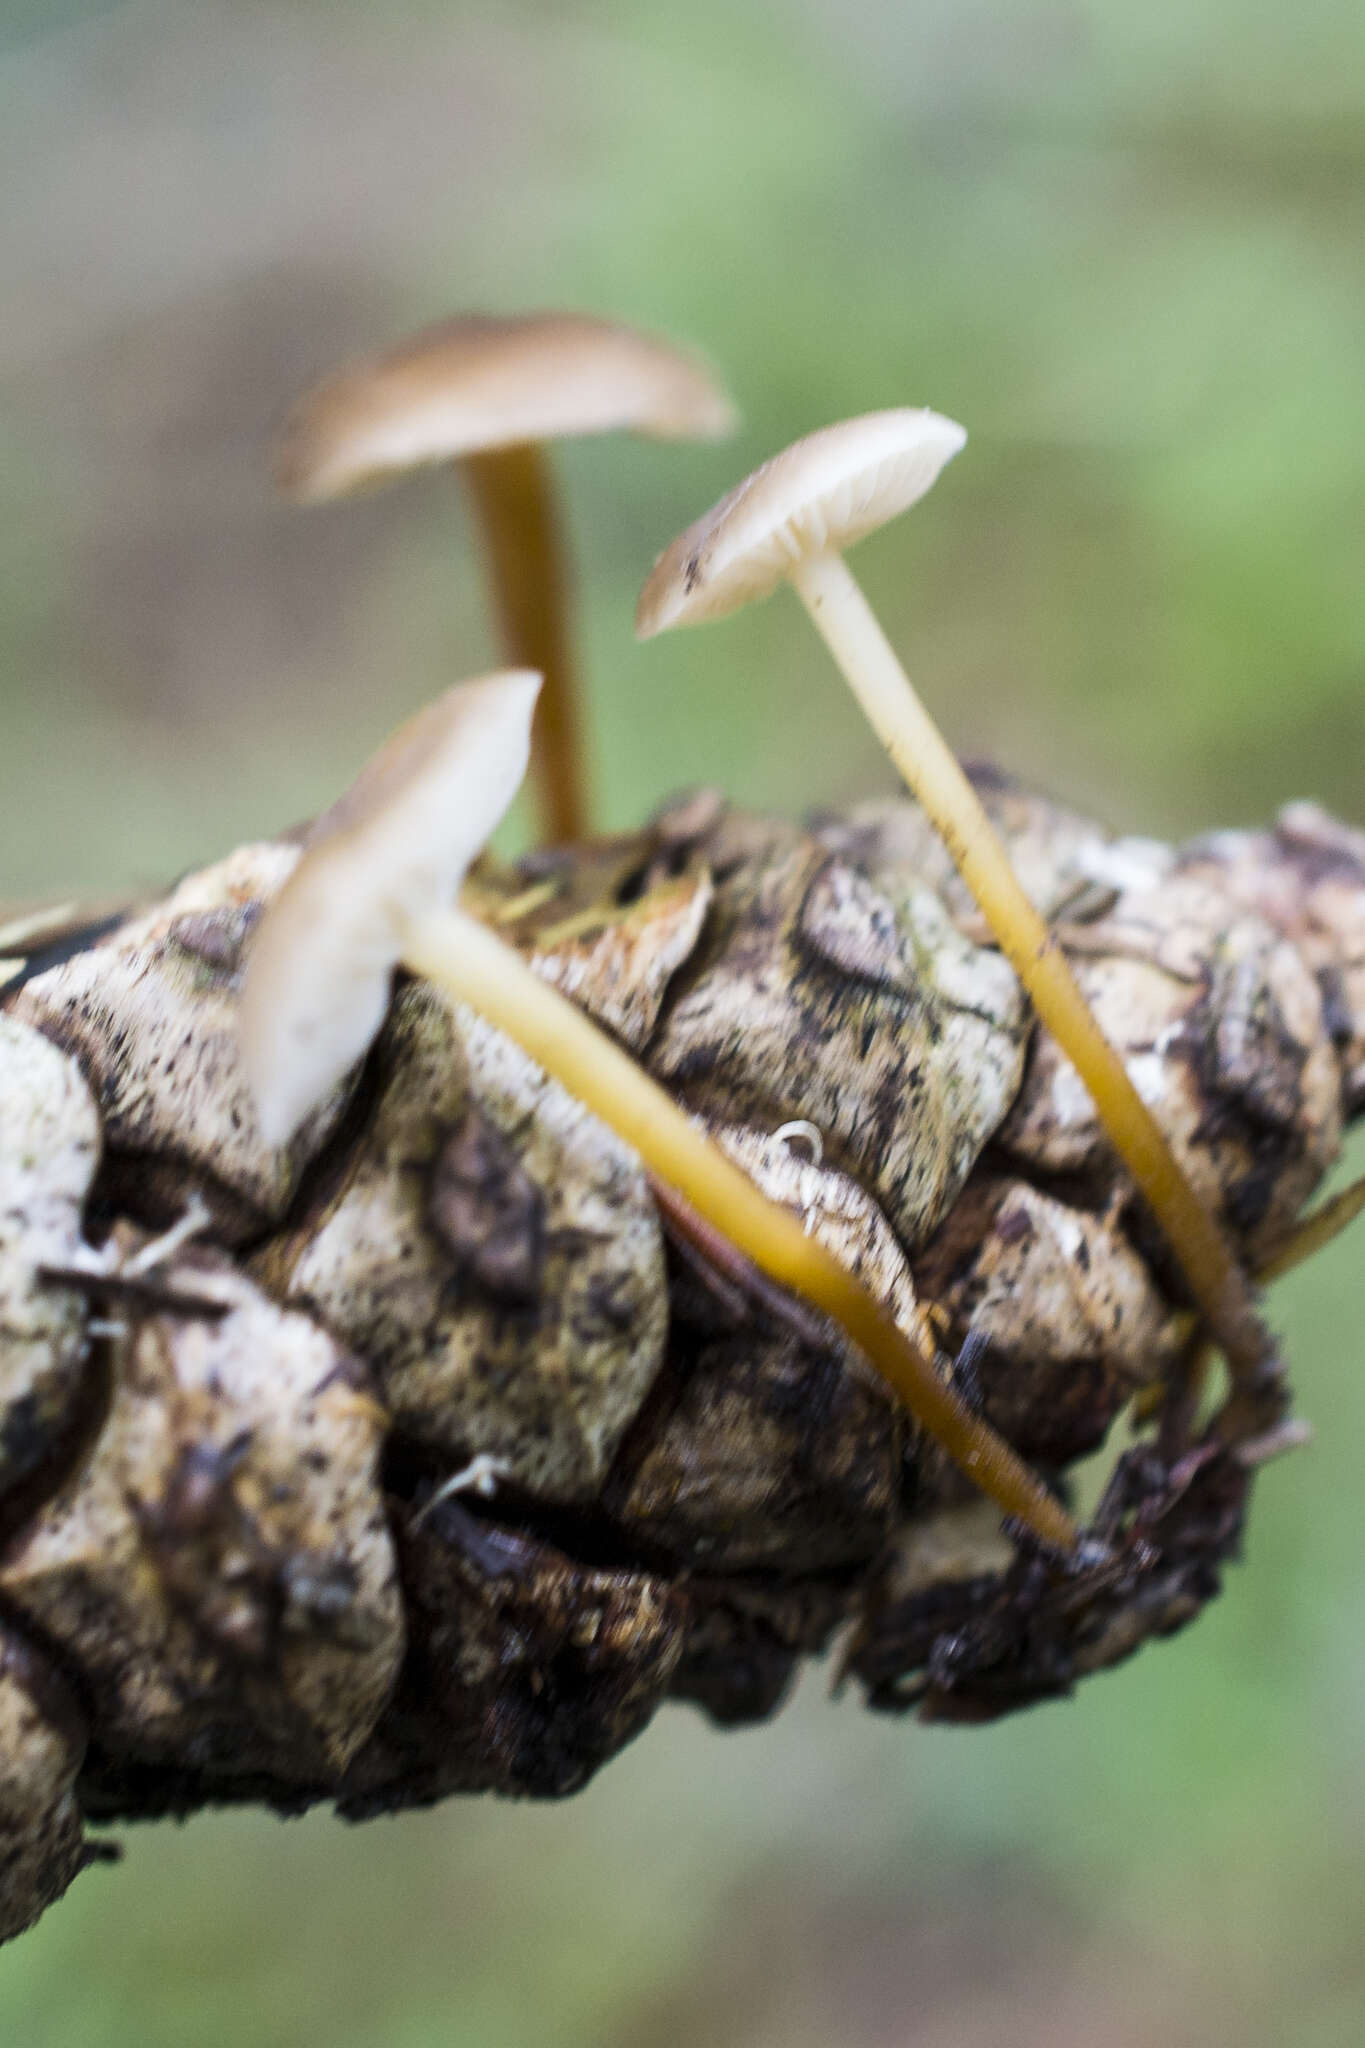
(515,503)
(466,960)
(931,769)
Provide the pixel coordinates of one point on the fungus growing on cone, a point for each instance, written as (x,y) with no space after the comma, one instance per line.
(788,522)
(374,889)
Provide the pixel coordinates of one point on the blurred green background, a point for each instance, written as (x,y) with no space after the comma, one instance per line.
(1126,245)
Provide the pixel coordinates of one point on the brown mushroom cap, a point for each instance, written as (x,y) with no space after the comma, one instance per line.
(824,492)
(393,848)
(478,382)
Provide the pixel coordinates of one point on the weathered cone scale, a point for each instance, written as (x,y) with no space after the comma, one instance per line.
(429,1454)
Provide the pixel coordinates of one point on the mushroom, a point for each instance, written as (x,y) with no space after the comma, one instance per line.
(373,890)
(487,392)
(789,520)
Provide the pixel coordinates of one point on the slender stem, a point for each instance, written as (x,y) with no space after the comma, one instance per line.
(1312,1234)
(471,963)
(930,768)
(1304,1240)
(515,503)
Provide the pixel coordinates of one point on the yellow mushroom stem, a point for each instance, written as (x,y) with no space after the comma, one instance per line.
(930,768)
(514,501)
(469,962)
(1306,1238)
(1313,1233)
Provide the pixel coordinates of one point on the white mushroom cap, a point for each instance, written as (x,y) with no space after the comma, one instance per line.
(822,493)
(394,848)
(477,383)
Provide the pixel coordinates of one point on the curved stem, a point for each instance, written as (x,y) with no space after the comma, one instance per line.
(1313,1233)
(471,963)
(514,500)
(932,772)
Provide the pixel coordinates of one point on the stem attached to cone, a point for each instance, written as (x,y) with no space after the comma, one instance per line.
(514,499)
(931,770)
(469,962)
(1313,1233)
(1309,1236)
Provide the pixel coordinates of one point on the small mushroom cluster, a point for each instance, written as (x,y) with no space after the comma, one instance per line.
(469,385)
(446,1308)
